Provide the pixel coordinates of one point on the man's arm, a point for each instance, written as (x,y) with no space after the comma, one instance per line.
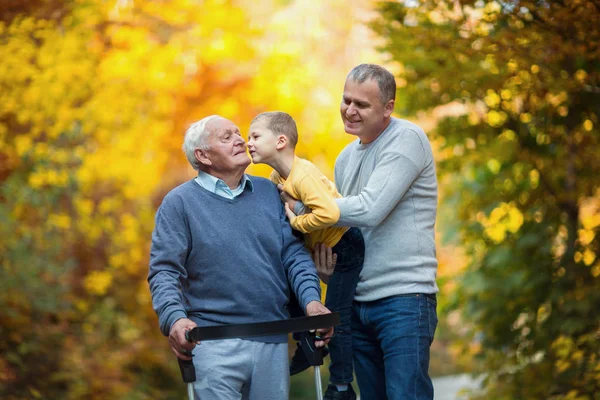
(394,173)
(170,244)
(299,267)
(302,276)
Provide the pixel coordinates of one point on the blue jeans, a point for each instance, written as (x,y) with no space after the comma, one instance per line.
(391,339)
(350,252)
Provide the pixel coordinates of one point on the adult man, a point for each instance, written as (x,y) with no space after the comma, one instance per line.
(223,253)
(388,181)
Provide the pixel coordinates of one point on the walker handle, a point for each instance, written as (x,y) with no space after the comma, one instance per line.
(188,373)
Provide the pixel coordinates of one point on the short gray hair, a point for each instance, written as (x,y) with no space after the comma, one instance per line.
(384,78)
(196,137)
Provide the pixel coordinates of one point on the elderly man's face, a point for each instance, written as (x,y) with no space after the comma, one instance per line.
(227,150)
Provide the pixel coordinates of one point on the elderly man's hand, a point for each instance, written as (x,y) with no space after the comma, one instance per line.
(316,308)
(179,344)
(325,261)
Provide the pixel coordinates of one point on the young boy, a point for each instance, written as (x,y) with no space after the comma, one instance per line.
(272,141)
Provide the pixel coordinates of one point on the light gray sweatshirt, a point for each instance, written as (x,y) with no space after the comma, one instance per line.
(390,193)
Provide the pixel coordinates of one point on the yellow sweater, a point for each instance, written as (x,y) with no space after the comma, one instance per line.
(310,186)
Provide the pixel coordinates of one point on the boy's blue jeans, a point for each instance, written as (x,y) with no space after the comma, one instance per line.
(391,339)
(350,252)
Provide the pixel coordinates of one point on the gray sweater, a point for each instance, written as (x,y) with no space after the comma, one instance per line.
(390,193)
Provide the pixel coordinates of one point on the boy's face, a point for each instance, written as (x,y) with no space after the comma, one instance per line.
(262,143)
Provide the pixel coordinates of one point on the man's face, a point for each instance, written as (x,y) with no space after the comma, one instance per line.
(227,148)
(363,112)
(262,143)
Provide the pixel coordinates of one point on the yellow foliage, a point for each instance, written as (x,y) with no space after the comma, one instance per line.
(98,282)
(502,220)
(534,178)
(496,118)
(492,99)
(589,257)
(563,111)
(494,166)
(580,75)
(595,270)
(585,236)
(93,108)
(525,118)
(60,221)
(506,94)
(22,145)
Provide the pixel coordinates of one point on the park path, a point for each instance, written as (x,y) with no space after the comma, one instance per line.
(449,387)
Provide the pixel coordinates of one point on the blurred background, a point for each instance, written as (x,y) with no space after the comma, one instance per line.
(95,96)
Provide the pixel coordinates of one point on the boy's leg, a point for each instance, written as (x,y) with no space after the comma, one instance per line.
(340,295)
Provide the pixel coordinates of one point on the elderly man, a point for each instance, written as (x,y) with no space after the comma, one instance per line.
(224,253)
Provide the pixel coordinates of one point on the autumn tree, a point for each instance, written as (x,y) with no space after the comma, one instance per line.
(86,103)
(94,99)
(519,85)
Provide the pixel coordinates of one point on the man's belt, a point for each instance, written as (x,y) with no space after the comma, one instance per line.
(263,328)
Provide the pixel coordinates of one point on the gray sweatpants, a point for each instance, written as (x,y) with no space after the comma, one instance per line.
(234,369)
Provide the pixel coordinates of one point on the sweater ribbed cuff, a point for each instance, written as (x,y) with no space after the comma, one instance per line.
(313,295)
(170,320)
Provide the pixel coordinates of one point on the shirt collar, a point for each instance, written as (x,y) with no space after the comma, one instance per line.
(213,184)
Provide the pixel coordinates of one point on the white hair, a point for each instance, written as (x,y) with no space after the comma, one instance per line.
(196,138)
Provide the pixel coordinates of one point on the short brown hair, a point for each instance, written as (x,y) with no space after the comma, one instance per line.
(384,78)
(280,123)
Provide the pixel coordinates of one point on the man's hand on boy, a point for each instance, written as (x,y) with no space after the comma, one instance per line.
(325,260)
(290,214)
(286,198)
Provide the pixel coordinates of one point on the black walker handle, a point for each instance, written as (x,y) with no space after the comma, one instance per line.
(188,373)
(313,354)
(302,325)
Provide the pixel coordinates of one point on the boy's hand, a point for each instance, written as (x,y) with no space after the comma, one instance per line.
(286,198)
(290,214)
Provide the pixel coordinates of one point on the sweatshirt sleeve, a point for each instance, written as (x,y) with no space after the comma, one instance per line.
(299,266)
(315,195)
(394,173)
(170,244)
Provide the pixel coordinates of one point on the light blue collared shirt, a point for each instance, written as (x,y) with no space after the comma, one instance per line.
(219,187)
